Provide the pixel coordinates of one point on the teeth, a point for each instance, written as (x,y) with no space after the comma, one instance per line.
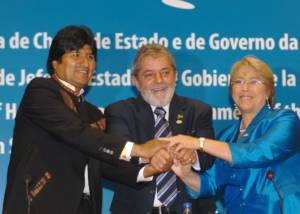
(246,97)
(82,71)
(158,89)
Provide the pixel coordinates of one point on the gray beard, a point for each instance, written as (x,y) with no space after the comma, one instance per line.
(153,101)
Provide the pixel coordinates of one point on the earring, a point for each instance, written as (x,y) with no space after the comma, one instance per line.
(268,103)
(236,110)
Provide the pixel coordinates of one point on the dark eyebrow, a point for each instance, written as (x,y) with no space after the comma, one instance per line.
(148,70)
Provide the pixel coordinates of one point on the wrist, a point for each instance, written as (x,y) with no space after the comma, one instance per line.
(136,151)
(149,171)
(187,175)
(201,144)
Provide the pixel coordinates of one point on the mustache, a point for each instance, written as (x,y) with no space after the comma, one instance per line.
(159,86)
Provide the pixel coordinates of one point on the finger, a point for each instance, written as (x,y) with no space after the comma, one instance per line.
(193,161)
(188,154)
(164,157)
(157,164)
(179,147)
(165,138)
(163,143)
(176,162)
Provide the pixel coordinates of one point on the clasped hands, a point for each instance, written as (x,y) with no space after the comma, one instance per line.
(163,153)
(165,158)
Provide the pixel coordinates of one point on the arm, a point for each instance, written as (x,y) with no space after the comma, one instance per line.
(127,173)
(187,175)
(122,121)
(43,106)
(212,147)
(204,128)
(277,142)
(199,122)
(203,184)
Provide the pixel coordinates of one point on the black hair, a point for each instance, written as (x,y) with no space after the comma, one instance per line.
(68,39)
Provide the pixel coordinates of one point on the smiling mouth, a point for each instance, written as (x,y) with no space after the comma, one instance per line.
(159,90)
(83,71)
(245,97)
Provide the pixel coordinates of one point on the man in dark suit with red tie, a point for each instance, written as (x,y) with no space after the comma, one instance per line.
(159,112)
(59,152)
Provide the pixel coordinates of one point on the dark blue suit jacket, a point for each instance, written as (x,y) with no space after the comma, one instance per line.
(133,120)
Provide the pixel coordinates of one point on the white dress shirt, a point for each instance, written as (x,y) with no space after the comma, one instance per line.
(141,178)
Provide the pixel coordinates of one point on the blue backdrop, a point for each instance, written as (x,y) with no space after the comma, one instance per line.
(206,38)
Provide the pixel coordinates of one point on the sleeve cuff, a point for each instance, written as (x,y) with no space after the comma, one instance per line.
(125,154)
(193,194)
(141,177)
(196,166)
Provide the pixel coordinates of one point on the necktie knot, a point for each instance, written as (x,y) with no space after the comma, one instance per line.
(159,111)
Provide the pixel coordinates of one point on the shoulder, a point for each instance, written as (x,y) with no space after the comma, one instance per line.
(122,106)
(40,85)
(194,104)
(282,114)
(42,81)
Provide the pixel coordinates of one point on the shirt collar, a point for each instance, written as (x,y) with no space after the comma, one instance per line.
(70,87)
(166,108)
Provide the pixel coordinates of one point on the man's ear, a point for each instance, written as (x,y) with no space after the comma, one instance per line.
(135,82)
(54,64)
(176,73)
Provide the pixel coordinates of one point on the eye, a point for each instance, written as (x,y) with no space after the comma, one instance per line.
(75,54)
(238,82)
(148,75)
(91,57)
(255,82)
(165,73)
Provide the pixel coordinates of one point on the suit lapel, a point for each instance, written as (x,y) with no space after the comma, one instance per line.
(177,115)
(145,118)
(253,125)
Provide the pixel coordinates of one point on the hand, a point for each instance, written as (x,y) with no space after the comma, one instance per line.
(148,149)
(100,124)
(184,156)
(162,161)
(180,142)
(182,171)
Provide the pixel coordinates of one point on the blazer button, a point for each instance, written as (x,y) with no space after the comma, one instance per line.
(152,191)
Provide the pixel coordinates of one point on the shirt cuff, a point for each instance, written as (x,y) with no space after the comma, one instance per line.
(141,178)
(196,166)
(125,154)
(143,161)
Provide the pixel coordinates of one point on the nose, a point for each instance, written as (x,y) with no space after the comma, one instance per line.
(245,86)
(158,77)
(85,60)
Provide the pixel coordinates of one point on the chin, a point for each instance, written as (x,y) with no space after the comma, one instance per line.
(158,100)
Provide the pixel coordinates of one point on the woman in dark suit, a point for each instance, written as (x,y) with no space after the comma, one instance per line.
(257,169)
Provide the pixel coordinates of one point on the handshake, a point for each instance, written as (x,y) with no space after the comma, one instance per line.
(163,153)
